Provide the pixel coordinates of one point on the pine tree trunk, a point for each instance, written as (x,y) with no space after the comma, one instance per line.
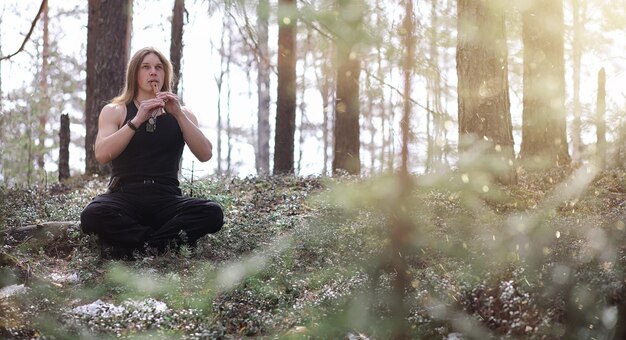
(263,86)
(302,104)
(347,105)
(432,90)
(401,222)
(324,76)
(43,87)
(64,148)
(384,139)
(176,45)
(600,119)
(229,131)
(219,80)
(576,60)
(369,124)
(108,29)
(482,68)
(1,93)
(544,140)
(286,92)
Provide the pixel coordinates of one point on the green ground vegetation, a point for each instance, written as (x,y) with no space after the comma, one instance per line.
(315,257)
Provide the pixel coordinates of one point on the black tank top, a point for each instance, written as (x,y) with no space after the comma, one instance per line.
(151,155)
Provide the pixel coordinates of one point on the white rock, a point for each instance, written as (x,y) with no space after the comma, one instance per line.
(11,290)
(148,304)
(99,308)
(64,278)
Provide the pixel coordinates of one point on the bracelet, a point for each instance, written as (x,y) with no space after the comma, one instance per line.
(131,125)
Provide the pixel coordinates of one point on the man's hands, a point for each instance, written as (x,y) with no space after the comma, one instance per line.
(171,103)
(145,110)
(166,100)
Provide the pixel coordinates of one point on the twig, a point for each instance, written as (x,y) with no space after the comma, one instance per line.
(32,27)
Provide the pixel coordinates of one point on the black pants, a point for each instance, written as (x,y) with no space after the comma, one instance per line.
(137,214)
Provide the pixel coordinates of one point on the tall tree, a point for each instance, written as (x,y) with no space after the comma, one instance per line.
(382,104)
(401,222)
(578,12)
(229,131)
(324,78)
(108,29)
(544,140)
(305,49)
(286,93)
(44,106)
(347,107)
(176,44)
(600,118)
(482,69)
(64,148)
(219,81)
(432,88)
(1,93)
(437,115)
(263,90)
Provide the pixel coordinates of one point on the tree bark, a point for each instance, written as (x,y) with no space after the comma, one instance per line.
(64,148)
(324,78)
(44,106)
(382,103)
(219,80)
(302,105)
(401,222)
(263,90)
(1,53)
(482,69)
(108,29)
(544,140)
(176,45)
(347,106)
(286,93)
(576,60)
(600,119)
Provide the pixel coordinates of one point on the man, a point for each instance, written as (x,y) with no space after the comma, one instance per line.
(142,132)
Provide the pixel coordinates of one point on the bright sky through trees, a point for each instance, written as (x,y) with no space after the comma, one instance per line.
(201,63)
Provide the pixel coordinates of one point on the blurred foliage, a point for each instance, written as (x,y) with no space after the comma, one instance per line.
(309,257)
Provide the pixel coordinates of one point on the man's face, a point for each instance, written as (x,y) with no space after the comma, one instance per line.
(151,72)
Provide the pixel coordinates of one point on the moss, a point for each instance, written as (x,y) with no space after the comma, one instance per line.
(312,256)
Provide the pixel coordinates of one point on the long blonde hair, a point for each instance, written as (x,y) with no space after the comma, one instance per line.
(130,84)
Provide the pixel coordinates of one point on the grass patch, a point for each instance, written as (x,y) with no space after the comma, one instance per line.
(302,257)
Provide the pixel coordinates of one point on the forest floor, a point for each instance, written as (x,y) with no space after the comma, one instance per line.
(314,257)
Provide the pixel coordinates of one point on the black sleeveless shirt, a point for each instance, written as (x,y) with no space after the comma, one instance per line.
(151,155)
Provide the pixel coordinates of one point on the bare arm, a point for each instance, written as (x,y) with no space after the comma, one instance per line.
(197,142)
(199,145)
(113,136)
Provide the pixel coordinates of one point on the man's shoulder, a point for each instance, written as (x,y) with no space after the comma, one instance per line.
(114,109)
(113,114)
(115,106)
